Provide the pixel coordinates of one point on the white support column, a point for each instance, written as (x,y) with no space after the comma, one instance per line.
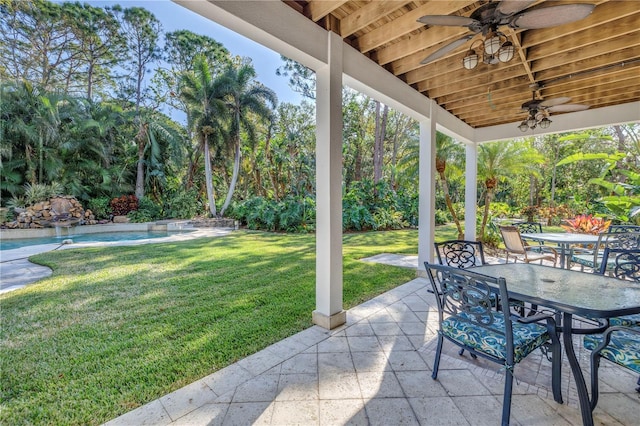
(329,313)
(471,192)
(426,191)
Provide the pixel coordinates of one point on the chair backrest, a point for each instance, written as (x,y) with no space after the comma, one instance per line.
(528,227)
(621,263)
(512,240)
(623,228)
(460,253)
(468,296)
(622,240)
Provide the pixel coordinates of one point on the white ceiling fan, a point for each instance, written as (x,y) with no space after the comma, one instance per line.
(488,18)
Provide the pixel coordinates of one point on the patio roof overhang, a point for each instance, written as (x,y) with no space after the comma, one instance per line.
(309,32)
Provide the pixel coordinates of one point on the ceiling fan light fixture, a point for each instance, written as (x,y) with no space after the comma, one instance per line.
(532,122)
(545,123)
(523,126)
(506,52)
(470,60)
(492,43)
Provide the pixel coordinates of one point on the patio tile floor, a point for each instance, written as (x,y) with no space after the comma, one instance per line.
(376,370)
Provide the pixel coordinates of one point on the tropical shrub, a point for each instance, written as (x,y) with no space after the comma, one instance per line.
(147,211)
(500,210)
(100,207)
(586,224)
(121,206)
(257,213)
(442,216)
(297,214)
(182,204)
(388,219)
(36,193)
(529,212)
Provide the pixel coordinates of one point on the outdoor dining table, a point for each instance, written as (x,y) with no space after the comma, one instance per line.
(564,240)
(568,293)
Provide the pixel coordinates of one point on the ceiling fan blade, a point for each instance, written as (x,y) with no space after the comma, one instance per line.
(446,49)
(448,20)
(551,16)
(554,101)
(510,7)
(568,108)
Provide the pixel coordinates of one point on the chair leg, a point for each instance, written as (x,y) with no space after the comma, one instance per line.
(436,361)
(595,363)
(506,402)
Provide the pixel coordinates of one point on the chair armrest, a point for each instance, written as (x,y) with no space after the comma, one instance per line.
(534,318)
(542,249)
(606,336)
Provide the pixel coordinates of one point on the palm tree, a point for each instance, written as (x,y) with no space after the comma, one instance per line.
(447,149)
(498,160)
(245,100)
(203,95)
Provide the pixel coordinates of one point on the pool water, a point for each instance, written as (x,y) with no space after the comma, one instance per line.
(84,238)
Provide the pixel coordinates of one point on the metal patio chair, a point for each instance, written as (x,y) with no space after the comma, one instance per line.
(468,318)
(515,247)
(592,258)
(460,253)
(625,265)
(618,344)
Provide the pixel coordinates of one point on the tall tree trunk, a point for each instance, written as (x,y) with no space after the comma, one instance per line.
(490,184)
(441,166)
(378,147)
(140,139)
(394,154)
(532,190)
(234,177)
(209,177)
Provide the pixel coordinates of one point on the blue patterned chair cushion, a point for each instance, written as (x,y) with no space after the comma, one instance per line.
(623,349)
(627,321)
(584,260)
(526,337)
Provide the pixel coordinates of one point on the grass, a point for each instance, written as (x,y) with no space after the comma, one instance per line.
(114,328)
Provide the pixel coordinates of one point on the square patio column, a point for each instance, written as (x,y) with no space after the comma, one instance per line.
(329,313)
(470,191)
(426,191)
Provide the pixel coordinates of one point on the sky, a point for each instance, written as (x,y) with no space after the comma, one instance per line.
(175,17)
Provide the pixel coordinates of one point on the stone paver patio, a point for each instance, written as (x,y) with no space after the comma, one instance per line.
(376,370)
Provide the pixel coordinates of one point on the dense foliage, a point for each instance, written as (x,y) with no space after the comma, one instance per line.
(89,110)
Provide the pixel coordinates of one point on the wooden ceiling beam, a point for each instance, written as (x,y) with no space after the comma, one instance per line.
(497,100)
(368,14)
(407,23)
(627,26)
(318,9)
(621,75)
(426,42)
(441,85)
(622,80)
(583,65)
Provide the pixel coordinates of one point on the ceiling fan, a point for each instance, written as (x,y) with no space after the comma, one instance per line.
(539,109)
(488,18)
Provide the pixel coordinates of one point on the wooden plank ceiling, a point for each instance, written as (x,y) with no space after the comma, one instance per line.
(594,61)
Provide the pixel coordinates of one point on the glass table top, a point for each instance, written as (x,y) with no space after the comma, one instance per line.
(568,291)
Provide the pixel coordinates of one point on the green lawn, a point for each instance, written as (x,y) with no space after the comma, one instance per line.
(114,328)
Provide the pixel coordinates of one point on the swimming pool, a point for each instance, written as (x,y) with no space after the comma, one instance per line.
(11,244)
